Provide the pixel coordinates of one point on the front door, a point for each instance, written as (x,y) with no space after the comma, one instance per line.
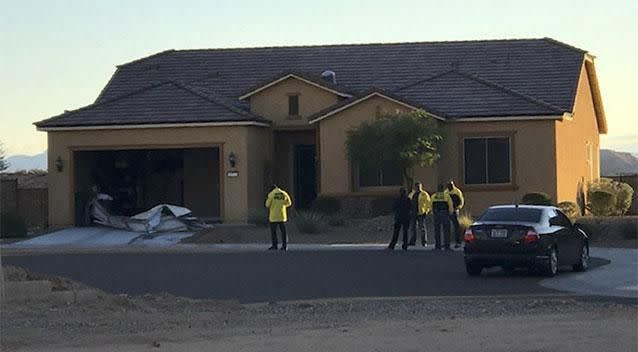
(305,175)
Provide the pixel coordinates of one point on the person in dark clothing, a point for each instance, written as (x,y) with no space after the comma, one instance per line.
(402,207)
(442,208)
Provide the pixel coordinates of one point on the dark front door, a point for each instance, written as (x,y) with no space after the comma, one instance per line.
(305,175)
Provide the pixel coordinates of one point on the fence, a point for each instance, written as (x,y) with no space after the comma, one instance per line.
(29,203)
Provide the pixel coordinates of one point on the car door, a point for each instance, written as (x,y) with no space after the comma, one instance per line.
(563,232)
(573,240)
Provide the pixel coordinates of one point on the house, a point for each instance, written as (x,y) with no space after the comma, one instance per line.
(211,129)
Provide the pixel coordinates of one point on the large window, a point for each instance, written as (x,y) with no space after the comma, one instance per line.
(487,160)
(388,175)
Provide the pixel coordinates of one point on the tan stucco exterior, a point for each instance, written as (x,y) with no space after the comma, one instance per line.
(235,191)
(577,144)
(273,102)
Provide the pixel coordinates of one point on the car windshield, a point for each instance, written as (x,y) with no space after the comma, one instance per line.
(512,214)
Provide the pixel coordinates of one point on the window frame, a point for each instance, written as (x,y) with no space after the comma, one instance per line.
(511,185)
(289,97)
(356,169)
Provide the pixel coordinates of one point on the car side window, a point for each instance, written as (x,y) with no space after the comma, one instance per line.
(559,219)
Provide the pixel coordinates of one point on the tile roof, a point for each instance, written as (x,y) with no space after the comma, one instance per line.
(166,102)
(511,77)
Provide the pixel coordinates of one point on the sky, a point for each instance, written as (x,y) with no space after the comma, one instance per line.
(58,55)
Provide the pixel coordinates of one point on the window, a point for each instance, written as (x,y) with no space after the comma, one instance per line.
(388,175)
(487,160)
(521,214)
(293,105)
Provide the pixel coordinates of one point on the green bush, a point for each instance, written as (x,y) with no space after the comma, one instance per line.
(622,192)
(310,221)
(536,198)
(326,205)
(12,226)
(571,209)
(602,203)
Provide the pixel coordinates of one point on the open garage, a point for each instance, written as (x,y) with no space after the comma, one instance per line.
(138,179)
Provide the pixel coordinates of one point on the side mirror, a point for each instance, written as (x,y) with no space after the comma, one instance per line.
(555,221)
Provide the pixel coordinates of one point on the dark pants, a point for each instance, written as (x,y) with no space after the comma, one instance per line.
(273,233)
(418,223)
(442,228)
(400,224)
(454,218)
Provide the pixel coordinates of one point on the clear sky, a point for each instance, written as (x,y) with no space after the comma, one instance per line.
(57,55)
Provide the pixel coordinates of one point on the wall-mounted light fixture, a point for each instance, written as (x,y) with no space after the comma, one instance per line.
(59,164)
(232,159)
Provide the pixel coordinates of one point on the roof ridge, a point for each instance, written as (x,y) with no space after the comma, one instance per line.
(428,78)
(510,91)
(364,44)
(145,58)
(565,45)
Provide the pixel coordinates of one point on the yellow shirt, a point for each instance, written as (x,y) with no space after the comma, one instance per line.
(457,192)
(424,202)
(277,202)
(442,197)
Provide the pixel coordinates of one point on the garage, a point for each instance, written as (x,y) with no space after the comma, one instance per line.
(139,179)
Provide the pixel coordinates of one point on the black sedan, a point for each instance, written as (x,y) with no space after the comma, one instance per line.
(536,237)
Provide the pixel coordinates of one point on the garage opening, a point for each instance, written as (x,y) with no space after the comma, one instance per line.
(138,180)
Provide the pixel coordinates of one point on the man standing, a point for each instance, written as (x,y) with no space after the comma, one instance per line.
(421,206)
(401,219)
(442,208)
(457,203)
(277,203)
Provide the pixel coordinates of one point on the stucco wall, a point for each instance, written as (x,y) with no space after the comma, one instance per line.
(335,168)
(532,154)
(272,102)
(230,139)
(573,139)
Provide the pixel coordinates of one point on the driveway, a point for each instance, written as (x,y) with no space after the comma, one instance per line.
(96,237)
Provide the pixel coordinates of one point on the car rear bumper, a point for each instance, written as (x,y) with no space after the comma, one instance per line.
(506,259)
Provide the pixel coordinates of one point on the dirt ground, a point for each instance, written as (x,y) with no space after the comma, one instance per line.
(168,323)
(375,230)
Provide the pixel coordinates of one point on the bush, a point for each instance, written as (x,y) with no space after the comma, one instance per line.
(536,198)
(602,203)
(614,227)
(622,192)
(326,205)
(465,220)
(12,226)
(571,209)
(310,221)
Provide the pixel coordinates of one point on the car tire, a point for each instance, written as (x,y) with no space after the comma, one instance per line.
(583,259)
(550,267)
(473,269)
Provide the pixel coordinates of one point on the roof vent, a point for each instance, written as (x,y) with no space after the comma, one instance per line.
(329,76)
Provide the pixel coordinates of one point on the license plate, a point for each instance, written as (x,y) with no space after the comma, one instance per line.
(499,233)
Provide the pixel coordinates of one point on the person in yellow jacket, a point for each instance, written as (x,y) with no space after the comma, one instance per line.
(442,208)
(420,208)
(277,203)
(457,203)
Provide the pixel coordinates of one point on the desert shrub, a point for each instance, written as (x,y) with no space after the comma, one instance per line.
(310,221)
(326,205)
(602,203)
(622,192)
(12,225)
(571,209)
(536,198)
(465,220)
(381,206)
(336,220)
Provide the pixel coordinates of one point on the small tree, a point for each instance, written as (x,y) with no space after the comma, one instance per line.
(408,139)
(4,165)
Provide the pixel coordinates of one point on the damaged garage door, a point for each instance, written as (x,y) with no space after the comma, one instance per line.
(140,179)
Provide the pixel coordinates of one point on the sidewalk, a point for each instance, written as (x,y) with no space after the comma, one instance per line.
(618,278)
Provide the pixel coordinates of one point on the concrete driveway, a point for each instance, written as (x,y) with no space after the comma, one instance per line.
(96,237)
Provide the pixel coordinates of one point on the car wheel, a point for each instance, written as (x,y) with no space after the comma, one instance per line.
(473,269)
(583,263)
(550,267)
